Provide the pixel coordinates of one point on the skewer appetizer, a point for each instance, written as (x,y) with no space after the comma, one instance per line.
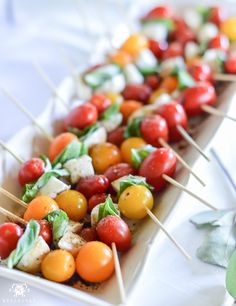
(115,152)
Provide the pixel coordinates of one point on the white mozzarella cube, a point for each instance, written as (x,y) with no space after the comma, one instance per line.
(115,84)
(112,123)
(213,58)
(163,99)
(191,50)
(157,31)
(170,64)
(98,136)
(146,59)
(207,32)
(79,167)
(192,18)
(132,74)
(53,187)
(71,242)
(94,214)
(31,261)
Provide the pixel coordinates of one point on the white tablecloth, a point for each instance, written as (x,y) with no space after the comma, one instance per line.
(168,278)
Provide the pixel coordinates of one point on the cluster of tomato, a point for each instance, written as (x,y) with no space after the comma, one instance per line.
(113,159)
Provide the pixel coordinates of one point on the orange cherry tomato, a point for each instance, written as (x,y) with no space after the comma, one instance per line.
(128,107)
(134,44)
(104,155)
(128,145)
(73,203)
(121,58)
(39,208)
(170,83)
(94,262)
(59,143)
(58,266)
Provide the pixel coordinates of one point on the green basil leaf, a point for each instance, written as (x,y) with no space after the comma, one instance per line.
(167,22)
(184,78)
(110,111)
(107,209)
(133,128)
(204,12)
(231,275)
(72,150)
(132,180)
(24,244)
(48,165)
(149,70)
(138,155)
(203,47)
(59,221)
(85,133)
(31,190)
(98,76)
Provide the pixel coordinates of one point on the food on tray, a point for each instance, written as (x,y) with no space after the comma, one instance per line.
(113,156)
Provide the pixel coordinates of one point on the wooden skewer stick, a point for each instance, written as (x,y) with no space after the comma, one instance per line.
(183,188)
(12,197)
(213,111)
(181,160)
(27,113)
(12,216)
(225,77)
(118,273)
(190,140)
(180,248)
(50,84)
(8,149)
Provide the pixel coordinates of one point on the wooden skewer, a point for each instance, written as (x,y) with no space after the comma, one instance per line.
(225,77)
(118,273)
(183,188)
(12,197)
(27,113)
(12,216)
(181,160)
(190,140)
(50,84)
(213,111)
(8,149)
(155,219)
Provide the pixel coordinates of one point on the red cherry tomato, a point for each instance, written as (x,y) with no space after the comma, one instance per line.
(220,41)
(158,48)
(174,115)
(217,15)
(93,184)
(117,136)
(45,231)
(153,81)
(95,200)
(114,229)
(138,92)
(101,102)
(162,161)
(153,128)
(230,65)
(201,72)
(89,234)
(119,170)
(5,249)
(194,98)
(30,171)
(81,116)
(174,49)
(11,233)
(160,12)
(183,34)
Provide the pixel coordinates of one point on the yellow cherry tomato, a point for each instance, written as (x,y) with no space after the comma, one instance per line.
(228,27)
(134,44)
(128,145)
(58,266)
(105,155)
(94,262)
(121,58)
(39,208)
(133,200)
(156,94)
(73,203)
(114,97)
